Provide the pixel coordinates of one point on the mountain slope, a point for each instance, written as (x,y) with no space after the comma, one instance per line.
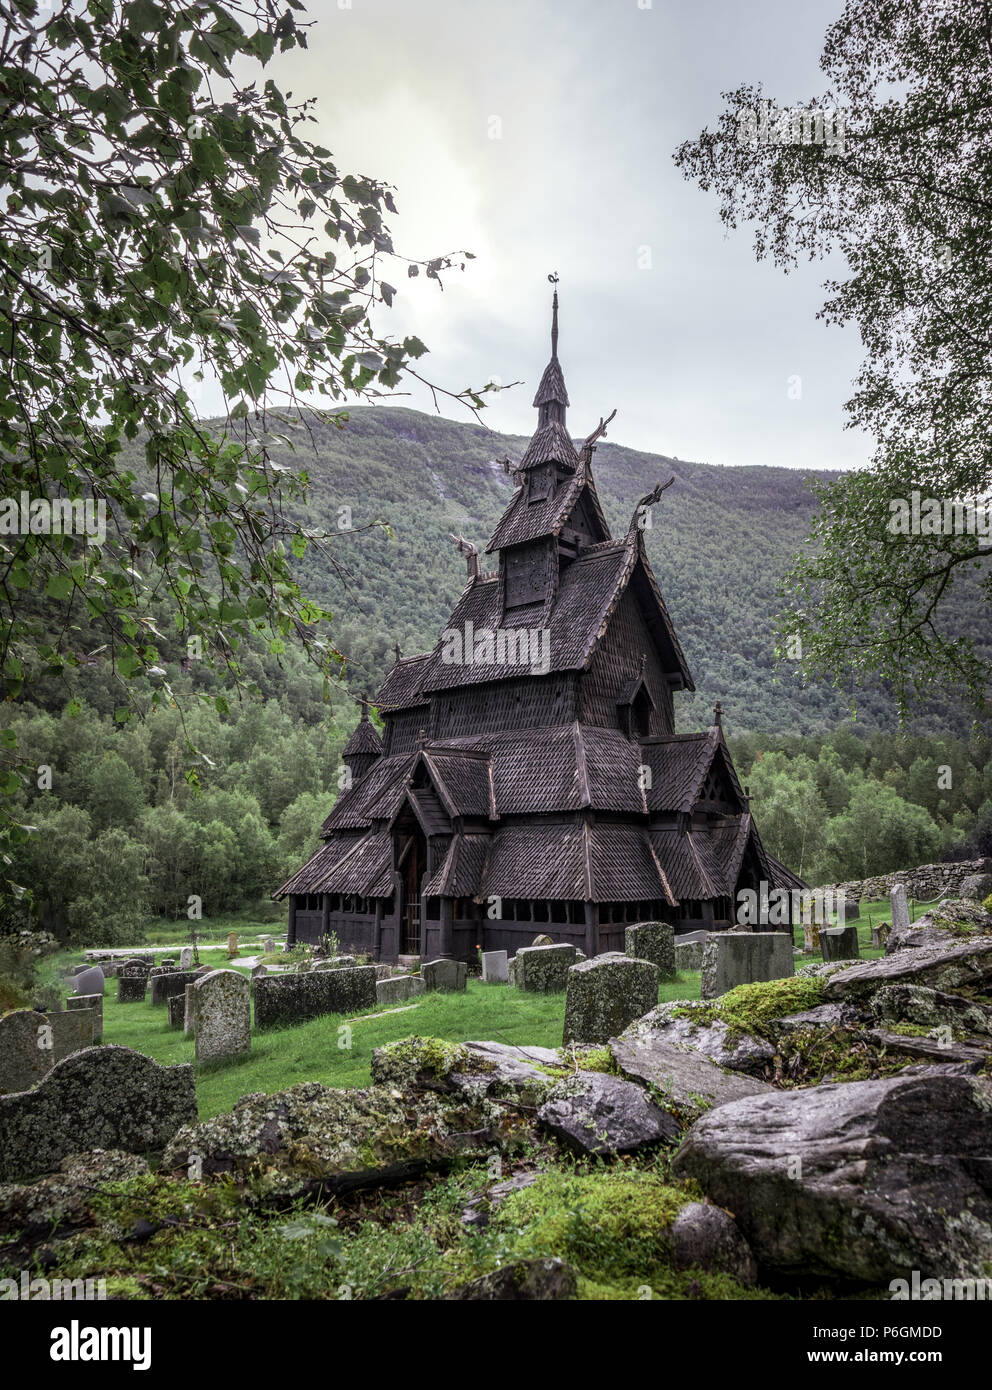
(722,540)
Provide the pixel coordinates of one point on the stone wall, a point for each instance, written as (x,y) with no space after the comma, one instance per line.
(925,883)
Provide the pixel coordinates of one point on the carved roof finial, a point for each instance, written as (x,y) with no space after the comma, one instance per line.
(396,650)
(553,277)
(718,715)
(470,551)
(421,737)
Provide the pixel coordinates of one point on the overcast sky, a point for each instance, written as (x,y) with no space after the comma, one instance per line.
(539,135)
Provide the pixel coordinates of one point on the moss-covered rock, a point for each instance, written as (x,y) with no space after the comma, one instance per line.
(63,1198)
(314,1136)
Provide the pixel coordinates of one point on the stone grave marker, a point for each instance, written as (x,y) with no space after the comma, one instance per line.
(176,1004)
(232,945)
(742,958)
(132,982)
(89,1001)
(169,983)
(398,988)
(101,1098)
(495,967)
(840,943)
(543,969)
(449,976)
(222,1016)
(25,1050)
(900,907)
(186,958)
(606,994)
(90,981)
(282,1000)
(654,941)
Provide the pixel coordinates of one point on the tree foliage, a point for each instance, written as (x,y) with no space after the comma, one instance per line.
(906,205)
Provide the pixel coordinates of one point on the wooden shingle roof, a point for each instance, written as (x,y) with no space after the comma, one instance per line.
(401,688)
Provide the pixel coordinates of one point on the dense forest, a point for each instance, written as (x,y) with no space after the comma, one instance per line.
(132,824)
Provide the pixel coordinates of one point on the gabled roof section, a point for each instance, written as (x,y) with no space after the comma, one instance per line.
(463,779)
(526,521)
(374,797)
(362,865)
(605,862)
(679,764)
(460,876)
(401,688)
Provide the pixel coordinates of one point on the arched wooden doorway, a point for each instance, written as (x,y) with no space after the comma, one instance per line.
(411,862)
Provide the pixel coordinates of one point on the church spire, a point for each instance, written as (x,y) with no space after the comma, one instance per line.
(552,398)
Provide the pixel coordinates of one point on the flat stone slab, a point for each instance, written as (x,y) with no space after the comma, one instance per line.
(685,1023)
(105,1097)
(595,1113)
(689,1080)
(90,981)
(543,969)
(653,941)
(945,968)
(24,1057)
(495,967)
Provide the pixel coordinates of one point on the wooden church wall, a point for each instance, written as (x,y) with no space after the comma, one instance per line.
(615,663)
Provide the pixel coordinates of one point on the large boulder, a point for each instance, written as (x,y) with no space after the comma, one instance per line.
(696,1026)
(475,1069)
(976,887)
(688,1082)
(862,1182)
(950,923)
(595,1113)
(707,1237)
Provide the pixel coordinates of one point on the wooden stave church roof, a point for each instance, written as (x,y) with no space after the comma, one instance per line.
(553,769)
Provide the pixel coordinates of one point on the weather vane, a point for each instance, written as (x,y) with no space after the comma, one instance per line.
(553,277)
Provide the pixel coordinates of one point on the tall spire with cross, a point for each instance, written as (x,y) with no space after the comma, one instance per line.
(551,400)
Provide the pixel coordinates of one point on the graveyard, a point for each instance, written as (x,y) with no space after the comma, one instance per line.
(678,1120)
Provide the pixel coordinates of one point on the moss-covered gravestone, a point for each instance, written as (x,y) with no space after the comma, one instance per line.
(25,1050)
(607,994)
(102,1098)
(221,1016)
(543,969)
(653,941)
(446,975)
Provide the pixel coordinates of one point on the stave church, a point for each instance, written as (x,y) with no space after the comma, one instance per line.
(528,778)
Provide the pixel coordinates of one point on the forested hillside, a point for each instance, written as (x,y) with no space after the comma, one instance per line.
(721,542)
(219,796)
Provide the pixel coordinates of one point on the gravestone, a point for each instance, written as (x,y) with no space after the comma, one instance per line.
(397,988)
(840,943)
(880,935)
(90,1001)
(269,947)
(282,1000)
(169,962)
(543,969)
(852,910)
(606,994)
(186,958)
(689,950)
(131,985)
(78,969)
(222,1016)
(495,967)
(172,982)
(24,1056)
(653,941)
(811,937)
(72,1030)
(900,907)
(449,976)
(744,958)
(188,1010)
(543,939)
(102,1098)
(258,972)
(232,944)
(90,981)
(177,1010)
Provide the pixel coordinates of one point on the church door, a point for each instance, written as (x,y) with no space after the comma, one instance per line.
(414,867)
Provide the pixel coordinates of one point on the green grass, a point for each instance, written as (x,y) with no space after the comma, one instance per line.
(314,1051)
